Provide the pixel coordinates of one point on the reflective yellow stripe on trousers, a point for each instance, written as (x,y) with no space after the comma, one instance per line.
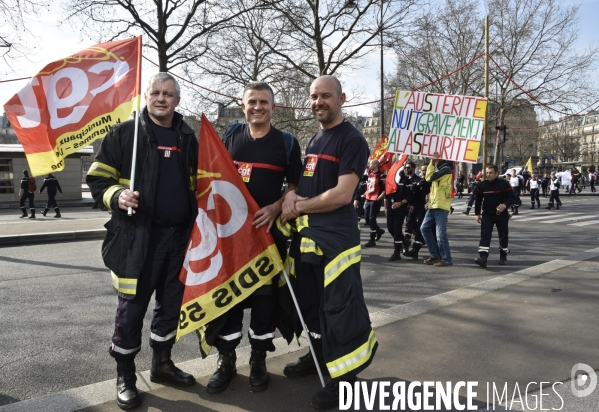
(353,360)
(341,262)
(124,285)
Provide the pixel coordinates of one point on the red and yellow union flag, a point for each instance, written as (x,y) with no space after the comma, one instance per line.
(380,153)
(227,258)
(73,101)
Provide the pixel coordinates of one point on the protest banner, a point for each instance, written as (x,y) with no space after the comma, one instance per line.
(73,101)
(425,123)
(227,258)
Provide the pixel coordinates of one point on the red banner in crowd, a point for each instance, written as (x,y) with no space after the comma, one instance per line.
(390,182)
(73,101)
(380,153)
(227,258)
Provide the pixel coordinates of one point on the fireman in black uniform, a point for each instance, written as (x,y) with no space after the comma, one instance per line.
(554,185)
(145,251)
(473,183)
(27,193)
(421,190)
(398,197)
(53,186)
(329,285)
(494,196)
(265,157)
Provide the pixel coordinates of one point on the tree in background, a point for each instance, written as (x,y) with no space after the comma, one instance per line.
(178,31)
(534,43)
(14,34)
(443,38)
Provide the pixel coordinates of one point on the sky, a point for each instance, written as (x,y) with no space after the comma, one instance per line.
(54,43)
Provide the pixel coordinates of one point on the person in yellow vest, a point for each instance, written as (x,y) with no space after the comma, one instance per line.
(434,226)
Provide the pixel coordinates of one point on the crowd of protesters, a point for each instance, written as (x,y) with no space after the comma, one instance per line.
(421,202)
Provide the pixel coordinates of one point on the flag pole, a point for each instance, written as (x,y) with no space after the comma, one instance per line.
(136,130)
(134,158)
(304,326)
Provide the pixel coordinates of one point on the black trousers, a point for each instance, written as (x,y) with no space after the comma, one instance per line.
(360,208)
(413,224)
(310,296)
(262,327)
(160,274)
(544,191)
(27,196)
(395,220)
(51,201)
(487,223)
(534,195)
(371,211)
(554,197)
(470,201)
(518,203)
(592,184)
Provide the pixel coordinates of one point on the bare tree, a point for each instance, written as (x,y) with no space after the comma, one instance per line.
(533,42)
(323,37)
(445,37)
(178,31)
(14,16)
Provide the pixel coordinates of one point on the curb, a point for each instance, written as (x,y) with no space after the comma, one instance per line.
(103,392)
(33,238)
(41,205)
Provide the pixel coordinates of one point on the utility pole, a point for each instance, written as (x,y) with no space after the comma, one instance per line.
(485,141)
(382,79)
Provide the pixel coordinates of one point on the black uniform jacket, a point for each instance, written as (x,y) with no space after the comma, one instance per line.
(491,193)
(125,247)
(52,184)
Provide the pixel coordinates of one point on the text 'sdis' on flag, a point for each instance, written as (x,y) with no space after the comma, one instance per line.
(73,101)
(227,258)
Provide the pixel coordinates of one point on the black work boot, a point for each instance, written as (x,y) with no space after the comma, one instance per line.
(549,206)
(225,372)
(481,261)
(370,243)
(259,378)
(467,211)
(328,397)
(407,242)
(413,253)
(502,258)
(24,211)
(45,211)
(57,210)
(32,214)
(305,365)
(127,396)
(164,370)
(379,233)
(533,206)
(395,256)
(515,210)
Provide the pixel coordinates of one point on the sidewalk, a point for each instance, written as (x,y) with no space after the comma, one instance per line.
(76,223)
(530,326)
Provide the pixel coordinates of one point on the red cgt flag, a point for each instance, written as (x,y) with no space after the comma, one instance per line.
(380,153)
(73,101)
(227,258)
